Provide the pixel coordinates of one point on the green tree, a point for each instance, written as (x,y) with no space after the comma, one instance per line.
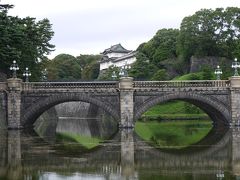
(90,66)
(161,47)
(209,33)
(5,7)
(207,73)
(63,67)
(160,75)
(142,68)
(24,40)
(91,71)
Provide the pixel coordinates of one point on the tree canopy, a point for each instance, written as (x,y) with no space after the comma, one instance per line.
(161,47)
(210,33)
(151,55)
(25,40)
(5,6)
(68,67)
(207,32)
(63,67)
(90,66)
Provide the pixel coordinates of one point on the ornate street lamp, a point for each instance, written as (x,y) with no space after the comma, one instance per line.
(123,71)
(14,67)
(44,75)
(218,73)
(27,74)
(114,76)
(235,65)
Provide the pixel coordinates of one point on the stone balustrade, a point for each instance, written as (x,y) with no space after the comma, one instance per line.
(114,84)
(181,84)
(69,85)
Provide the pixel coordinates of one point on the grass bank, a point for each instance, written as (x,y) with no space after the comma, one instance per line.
(174,110)
(85,141)
(173,134)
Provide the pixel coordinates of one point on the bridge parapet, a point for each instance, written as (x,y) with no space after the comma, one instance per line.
(3,86)
(181,84)
(69,85)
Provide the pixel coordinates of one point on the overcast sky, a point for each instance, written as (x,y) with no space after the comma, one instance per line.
(90,26)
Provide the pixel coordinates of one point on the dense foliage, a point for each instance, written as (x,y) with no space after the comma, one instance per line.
(90,66)
(206,33)
(210,33)
(24,40)
(151,55)
(63,67)
(68,67)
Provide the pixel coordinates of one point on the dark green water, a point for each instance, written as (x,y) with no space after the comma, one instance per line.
(25,155)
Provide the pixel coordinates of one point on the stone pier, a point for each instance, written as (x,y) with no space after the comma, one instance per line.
(127,153)
(14,103)
(126,102)
(235,100)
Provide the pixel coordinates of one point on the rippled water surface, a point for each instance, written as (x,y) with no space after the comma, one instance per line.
(26,155)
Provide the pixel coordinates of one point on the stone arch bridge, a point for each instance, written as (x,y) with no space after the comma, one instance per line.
(126,100)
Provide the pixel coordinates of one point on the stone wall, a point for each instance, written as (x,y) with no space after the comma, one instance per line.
(3,111)
(72,109)
(84,119)
(196,63)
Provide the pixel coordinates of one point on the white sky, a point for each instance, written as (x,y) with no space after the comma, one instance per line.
(90,26)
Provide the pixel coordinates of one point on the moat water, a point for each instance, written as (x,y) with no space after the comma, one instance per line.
(123,155)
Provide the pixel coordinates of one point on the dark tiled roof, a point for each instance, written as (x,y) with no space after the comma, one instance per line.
(116,48)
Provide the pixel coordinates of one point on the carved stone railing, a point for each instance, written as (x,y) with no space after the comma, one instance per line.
(115,85)
(3,86)
(69,85)
(181,84)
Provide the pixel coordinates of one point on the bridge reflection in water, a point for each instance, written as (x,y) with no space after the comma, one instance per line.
(27,156)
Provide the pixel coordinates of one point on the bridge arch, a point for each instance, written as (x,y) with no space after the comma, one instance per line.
(217,110)
(33,112)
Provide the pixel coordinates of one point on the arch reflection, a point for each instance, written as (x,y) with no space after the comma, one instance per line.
(24,154)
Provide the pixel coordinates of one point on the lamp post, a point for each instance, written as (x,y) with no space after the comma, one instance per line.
(218,72)
(114,76)
(123,71)
(235,65)
(14,67)
(27,74)
(44,75)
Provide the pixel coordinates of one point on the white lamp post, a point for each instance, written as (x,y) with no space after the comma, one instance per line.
(14,67)
(123,71)
(44,75)
(114,76)
(235,65)
(218,72)
(27,74)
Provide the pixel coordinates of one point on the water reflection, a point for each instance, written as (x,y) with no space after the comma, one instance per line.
(25,155)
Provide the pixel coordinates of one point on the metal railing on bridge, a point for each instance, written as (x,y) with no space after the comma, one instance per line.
(181,84)
(69,85)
